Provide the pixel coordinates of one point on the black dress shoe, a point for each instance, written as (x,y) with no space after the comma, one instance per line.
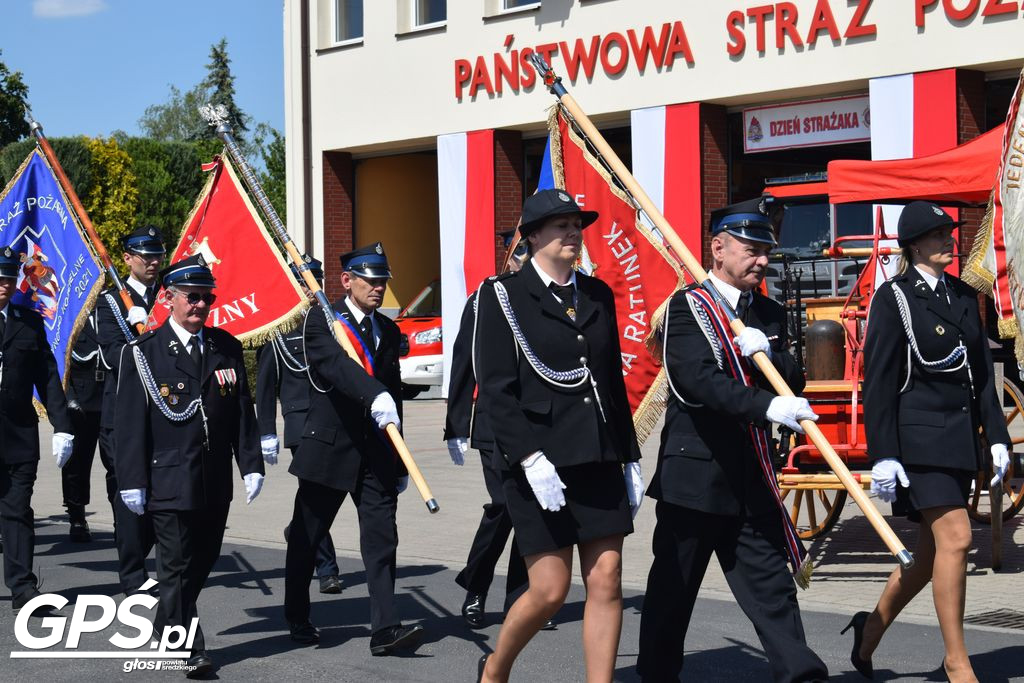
(21,599)
(330,584)
(480,666)
(388,640)
(199,665)
(305,633)
(862,665)
(79,532)
(549,626)
(473,610)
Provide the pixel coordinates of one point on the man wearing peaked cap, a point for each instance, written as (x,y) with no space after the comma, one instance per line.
(183,414)
(343,453)
(26,362)
(281,373)
(748,219)
(88,397)
(113,325)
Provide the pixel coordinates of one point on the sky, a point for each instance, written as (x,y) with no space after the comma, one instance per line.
(93,66)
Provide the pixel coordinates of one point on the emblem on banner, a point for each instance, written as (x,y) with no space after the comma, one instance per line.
(754,131)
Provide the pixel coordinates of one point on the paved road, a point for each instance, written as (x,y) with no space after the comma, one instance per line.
(241,606)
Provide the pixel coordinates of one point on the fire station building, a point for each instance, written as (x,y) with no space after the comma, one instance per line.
(419,122)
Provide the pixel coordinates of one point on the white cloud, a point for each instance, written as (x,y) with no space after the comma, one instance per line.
(61,9)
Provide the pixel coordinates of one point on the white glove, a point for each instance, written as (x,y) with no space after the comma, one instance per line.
(384,411)
(62,443)
(402,483)
(884,474)
(1000,461)
(134,500)
(253,484)
(136,315)
(751,340)
(544,480)
(457,448)
(789,410)
(634,487)
(270,448)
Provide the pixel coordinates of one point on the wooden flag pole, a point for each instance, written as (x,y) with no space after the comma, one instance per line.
(218,116)
(83,216)
(554,84)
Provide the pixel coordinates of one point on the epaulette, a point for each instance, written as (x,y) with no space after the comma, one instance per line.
(500,277)
(143,337)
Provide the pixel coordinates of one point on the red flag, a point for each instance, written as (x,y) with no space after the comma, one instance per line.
(634,262)
(256,292)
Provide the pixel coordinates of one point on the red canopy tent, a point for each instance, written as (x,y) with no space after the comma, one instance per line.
(963,175)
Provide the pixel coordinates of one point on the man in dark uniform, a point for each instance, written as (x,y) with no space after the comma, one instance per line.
(90,401)
(183,413)
(26,362)
(115,327)
(467,424)
(282,373)
(343,451)
(712,493)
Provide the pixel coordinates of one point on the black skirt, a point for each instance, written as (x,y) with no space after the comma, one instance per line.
(931,487)
(595,506)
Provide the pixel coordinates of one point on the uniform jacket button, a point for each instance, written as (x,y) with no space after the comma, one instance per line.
(580,338)
(964,409)
(587,400)
(583,359)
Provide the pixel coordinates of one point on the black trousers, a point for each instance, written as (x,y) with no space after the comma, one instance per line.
(489,542)
(316,506)
(74,476)
(187,546)
(17,524)
(751,551)
(133,534)
(326,557)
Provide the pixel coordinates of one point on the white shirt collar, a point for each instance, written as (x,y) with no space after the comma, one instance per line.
(140,289)
(547,279)
(357,313)
(929,278)
(731,294)
(184,336)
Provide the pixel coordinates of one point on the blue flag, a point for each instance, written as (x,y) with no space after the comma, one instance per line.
(60,278)
(546,181)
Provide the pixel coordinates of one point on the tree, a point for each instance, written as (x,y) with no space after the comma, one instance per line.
(271,145)
(13,96)
(220,87)
(178,118)
(113,198)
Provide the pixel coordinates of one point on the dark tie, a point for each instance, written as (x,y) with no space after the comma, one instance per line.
(567,296)
(743,305)
(366,332)
(941,294)
(3,325)
(195,352)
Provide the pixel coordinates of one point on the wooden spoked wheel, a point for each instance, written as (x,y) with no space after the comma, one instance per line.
(979,505)
(813,509)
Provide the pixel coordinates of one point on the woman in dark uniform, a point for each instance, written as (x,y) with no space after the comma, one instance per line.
(928,387)
(550,377)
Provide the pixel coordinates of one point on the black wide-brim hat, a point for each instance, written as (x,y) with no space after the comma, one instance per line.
(919,218)
(188,272)
(546,204)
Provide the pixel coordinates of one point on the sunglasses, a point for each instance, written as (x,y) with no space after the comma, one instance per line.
(194,298)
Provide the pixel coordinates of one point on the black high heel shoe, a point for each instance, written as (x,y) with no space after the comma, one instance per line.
(480,665)
(862,665)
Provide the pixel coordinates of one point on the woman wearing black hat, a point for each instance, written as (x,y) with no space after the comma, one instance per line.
(928,388)
(550,376)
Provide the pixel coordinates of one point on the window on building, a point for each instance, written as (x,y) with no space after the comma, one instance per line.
(348,20)
(431,11)
(512,4)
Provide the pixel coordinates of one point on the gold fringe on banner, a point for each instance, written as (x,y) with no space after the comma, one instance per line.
(974,272)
